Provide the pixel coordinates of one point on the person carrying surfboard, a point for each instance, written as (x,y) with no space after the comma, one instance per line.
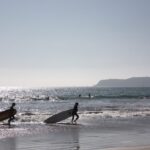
(12,117)
(74,113)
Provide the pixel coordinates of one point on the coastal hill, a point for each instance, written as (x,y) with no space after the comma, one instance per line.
(130,82)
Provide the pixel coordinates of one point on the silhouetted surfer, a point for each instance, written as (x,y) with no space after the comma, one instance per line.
(12,116)
(74,113)
(89,96)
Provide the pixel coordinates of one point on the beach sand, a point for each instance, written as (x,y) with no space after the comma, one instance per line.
(132,148)
(69,137)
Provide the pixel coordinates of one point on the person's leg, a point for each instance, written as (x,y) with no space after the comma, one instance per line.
(13,118)
(10,119)
(77,117)
(72,119)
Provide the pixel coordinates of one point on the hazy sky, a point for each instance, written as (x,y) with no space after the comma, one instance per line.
(73,42)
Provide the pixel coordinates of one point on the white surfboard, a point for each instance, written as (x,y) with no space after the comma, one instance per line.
(59,117)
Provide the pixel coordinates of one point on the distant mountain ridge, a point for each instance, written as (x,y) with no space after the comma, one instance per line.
(130,82)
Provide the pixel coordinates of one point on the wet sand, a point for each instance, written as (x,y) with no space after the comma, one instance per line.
(70,137)
(133,148)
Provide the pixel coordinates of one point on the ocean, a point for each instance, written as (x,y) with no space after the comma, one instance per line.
(109,117)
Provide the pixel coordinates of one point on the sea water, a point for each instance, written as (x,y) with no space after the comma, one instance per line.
(109,117)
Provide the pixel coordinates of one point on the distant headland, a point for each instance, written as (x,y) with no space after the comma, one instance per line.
(130,82)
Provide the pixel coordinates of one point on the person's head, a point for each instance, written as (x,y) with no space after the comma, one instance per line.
(76,104)
(13,104)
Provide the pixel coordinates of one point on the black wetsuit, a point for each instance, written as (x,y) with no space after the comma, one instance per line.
(12,117)
(74,113)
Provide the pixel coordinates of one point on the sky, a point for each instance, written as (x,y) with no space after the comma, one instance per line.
(73,42)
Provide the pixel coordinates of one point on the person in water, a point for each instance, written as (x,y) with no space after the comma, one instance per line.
(89,96)
(74,113)
(12,117)
(79,95)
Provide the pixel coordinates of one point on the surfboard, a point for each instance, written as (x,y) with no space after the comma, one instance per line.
(7,114)
(59,117)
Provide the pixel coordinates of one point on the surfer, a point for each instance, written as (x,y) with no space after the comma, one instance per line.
(74,113)
(12,117)
(89,96)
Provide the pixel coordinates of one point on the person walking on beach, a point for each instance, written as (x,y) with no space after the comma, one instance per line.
(12,117)
(74,113)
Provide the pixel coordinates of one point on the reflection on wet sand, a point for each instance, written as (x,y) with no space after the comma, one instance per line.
(8,144)
(75,138)
(62,137)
